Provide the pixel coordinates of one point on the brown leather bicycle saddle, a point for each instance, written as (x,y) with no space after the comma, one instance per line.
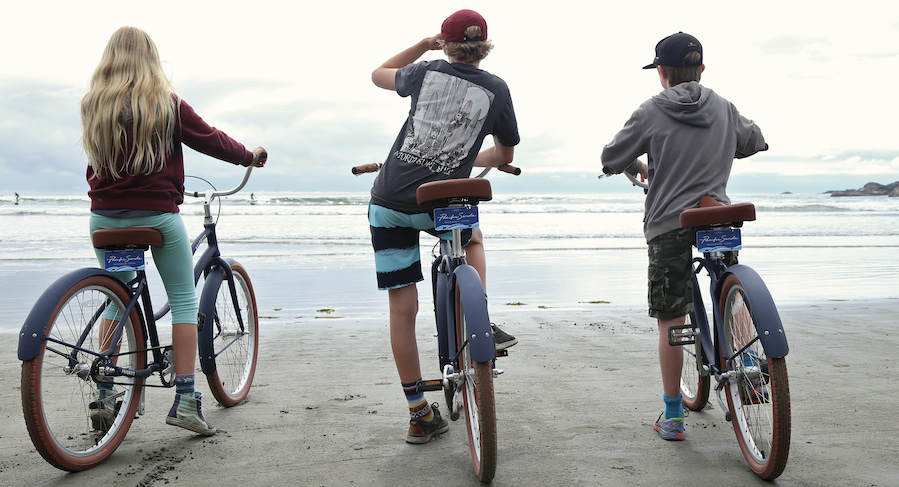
(470,190)
(126,237)
(711,212)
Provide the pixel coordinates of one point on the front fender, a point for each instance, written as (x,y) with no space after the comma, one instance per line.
(32,333)
(207,309)
(764,312)
(474,305)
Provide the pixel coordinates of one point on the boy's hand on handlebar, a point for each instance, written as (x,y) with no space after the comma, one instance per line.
(259,157)
(643,172)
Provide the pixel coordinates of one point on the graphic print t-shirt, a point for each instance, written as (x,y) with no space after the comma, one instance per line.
(454,106)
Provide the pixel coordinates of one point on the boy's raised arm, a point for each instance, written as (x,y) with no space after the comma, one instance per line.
(384,76)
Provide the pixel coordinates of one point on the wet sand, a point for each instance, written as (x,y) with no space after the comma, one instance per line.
(575,406)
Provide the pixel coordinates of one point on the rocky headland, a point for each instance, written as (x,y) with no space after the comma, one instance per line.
(870,189)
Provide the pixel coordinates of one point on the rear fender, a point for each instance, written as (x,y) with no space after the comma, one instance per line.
(32,333)
(766,318)
(474,305)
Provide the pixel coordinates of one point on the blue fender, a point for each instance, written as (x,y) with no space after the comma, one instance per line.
(764,312)
(445,316)
(207,308)
(32,335)
(474,305)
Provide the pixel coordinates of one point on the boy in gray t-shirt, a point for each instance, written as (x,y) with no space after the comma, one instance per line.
(691,137)
(455,105)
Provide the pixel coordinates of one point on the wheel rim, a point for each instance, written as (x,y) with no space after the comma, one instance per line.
(469,391)
(66,389)
(753,411)
(235,351)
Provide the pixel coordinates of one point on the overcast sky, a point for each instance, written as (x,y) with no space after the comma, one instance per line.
(295,77)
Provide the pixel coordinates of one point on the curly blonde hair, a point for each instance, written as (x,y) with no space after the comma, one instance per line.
(130,106)
(471,52)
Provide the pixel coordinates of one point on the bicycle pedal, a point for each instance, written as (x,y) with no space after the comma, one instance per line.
(429,385)
(502,353)
(681,335)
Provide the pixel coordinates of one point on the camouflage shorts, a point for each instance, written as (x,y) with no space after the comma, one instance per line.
(670,292)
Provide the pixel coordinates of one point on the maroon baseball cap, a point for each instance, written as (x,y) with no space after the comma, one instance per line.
(453,29)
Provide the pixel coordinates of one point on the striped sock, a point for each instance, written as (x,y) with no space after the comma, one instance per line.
(184,384)
(418,405)
(674,407)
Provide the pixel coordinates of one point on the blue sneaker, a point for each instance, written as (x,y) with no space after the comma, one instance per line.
(670,429)
(187,413)
(755,389)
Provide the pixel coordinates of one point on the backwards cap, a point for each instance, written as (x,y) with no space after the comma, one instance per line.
(671,50)
(453,29)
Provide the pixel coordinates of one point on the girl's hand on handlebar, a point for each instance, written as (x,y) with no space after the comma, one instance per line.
(259,157)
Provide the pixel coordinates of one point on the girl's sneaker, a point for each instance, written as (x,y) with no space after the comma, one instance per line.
(187,413)
(670,429)
(102,411)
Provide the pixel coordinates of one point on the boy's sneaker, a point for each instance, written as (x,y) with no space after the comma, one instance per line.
(421,431)
(670,429)
(754,393)
(755,390)
(187,413)
(102,411)
(501,339)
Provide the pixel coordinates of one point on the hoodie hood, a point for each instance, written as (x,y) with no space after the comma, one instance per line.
(690,103)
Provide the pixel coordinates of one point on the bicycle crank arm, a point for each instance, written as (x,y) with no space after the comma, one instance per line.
(728,416)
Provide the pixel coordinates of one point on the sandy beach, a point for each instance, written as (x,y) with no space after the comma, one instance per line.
(575,407)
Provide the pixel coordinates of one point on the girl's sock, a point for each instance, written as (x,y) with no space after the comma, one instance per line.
(674,407)
(184,384)
(418,405)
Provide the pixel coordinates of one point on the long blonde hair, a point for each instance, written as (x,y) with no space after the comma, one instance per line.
(130,97)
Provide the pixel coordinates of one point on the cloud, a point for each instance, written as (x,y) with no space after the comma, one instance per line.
(790,45)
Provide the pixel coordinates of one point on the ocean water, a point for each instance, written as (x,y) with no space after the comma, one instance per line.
(310,252)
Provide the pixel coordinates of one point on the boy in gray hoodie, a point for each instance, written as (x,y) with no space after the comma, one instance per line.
(691,137)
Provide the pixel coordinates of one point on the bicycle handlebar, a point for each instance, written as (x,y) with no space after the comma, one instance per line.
(263,156)
(637,182)
(374,167)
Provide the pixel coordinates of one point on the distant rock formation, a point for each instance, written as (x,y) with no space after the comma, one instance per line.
(870,189)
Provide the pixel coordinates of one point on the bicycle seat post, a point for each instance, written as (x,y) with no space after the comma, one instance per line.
(458,252)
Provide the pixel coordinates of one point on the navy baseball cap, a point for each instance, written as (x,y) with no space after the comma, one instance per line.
(671,50)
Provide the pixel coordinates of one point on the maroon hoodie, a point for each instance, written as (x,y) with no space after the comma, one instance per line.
(163,190)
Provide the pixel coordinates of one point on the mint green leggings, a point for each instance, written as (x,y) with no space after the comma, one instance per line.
(173,260)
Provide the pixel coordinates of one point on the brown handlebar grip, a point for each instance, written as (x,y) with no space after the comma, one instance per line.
(373,167)
(510,169)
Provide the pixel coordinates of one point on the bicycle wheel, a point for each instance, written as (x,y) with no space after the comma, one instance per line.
(758,392)
(478,403)
(71,425)
(235,348)
(694,386)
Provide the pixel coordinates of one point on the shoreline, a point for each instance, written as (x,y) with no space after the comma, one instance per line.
(575,406)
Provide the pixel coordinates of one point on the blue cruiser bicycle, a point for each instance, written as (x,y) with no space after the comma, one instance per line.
(91,327)
(466,349)
(743,347)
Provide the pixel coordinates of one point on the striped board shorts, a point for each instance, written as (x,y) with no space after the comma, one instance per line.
(394,236)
